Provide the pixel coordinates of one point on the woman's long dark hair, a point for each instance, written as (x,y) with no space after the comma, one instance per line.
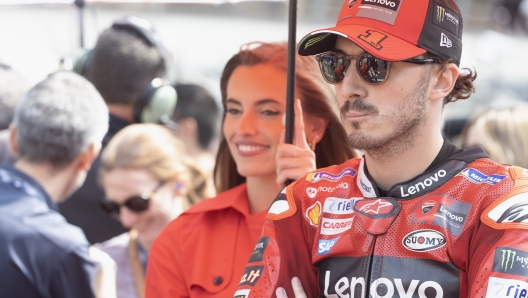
(317,99)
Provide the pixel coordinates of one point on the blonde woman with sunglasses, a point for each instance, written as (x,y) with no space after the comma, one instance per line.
(146,177)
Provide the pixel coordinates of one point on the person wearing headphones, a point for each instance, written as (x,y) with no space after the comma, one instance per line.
(128,66)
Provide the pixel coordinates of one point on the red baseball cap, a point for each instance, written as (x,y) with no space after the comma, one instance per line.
(394,30)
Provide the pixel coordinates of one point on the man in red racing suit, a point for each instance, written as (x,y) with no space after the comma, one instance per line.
(457,230)
(416,216)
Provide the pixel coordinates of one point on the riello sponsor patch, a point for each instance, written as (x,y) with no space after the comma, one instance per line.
(330,226)
(506,288)
(423,240)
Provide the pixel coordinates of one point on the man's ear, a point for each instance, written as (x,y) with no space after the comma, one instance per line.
(89,155)
(13,142)
(187,128)
(314,128)
(445,82)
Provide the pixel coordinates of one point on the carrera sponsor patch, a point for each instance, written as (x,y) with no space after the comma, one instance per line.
(447,19)
(381,10)
(395,277)
(511,261)
(506,288)
(318,176)
(312,214)
(442,210)
(251,275)
(423,240)
(330,226)
(477,177)
(340,206)
(258,252)
(511,212)
(325,246)
(242,293)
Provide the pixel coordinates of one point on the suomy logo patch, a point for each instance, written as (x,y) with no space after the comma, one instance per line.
(423,240)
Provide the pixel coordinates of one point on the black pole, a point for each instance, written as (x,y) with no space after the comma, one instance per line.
(80,8)
(290,87)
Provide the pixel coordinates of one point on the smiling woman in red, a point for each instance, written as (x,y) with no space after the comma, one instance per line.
(204,251)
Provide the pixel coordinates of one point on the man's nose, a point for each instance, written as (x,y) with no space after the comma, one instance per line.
(352,86)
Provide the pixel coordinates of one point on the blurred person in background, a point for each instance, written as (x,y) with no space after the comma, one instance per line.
(203,252)
(147,178)
(197,118)
(12,86)
(502,133)
(56,133)
(124,65)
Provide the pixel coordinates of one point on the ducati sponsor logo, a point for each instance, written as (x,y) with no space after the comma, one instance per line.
(311,192)
(332,226)
(422,185)
(506,288)
(511,210)
(423,240)
(381,287)
(324,246)
(339,206)
(312,214)
(477,177)
(511,261)
(318,176)
(427,206)
(251,275)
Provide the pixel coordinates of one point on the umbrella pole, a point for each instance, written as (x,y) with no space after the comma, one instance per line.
(80,8)
(290,89)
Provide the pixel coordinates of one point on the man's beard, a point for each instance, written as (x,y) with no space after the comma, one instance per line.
(411,114)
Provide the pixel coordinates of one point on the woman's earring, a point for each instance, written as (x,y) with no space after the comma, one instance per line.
(313,142)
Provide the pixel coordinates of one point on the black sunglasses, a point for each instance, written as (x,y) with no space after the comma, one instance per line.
(136,203)
(372,70)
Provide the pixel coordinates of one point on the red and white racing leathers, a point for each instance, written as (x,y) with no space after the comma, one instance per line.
(458,230)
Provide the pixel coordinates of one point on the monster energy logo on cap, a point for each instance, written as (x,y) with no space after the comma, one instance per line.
(440,13)
(511,261)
